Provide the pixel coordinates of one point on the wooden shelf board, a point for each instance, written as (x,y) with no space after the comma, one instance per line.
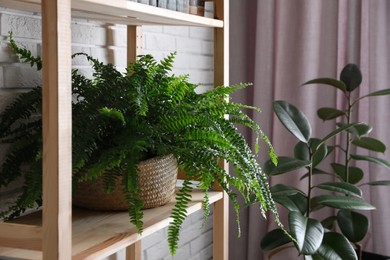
(98,234)
(122,12)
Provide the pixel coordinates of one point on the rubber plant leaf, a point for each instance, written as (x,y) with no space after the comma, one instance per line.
(355,174)
(293,119)
(371,159)
(336,247)
(308,232)
(296,202)
(370,143)
(320,151)
(341,187)
(351,76)
(381,92)
(328,81)
(379,183)
(329,113)
(341,202)
(285,164)
(274,239)
(284,190)
(359,130)
(353,225)
(328,222)
(301,151)
(337,131)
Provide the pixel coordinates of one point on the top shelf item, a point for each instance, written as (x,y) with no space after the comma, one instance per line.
(121,12)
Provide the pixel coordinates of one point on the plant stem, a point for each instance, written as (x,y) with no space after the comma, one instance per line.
(347,148)
(310,182)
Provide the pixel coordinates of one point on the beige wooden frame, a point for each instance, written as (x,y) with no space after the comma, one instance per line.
(54,237)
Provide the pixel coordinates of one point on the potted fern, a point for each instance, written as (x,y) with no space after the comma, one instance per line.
(122,119)
(338,235)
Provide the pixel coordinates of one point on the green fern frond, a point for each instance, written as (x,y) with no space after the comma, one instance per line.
(24,54)
(179,213)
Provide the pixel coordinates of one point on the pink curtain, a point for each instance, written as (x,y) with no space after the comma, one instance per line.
(280,44)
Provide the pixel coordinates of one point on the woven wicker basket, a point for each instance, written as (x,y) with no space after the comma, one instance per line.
(157,178)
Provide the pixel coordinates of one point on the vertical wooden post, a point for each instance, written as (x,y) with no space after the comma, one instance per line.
(134,251)
(134,42)
(57,130)
(221,77)
(134,48)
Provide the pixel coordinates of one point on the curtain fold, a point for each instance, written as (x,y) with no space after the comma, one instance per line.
(278,45)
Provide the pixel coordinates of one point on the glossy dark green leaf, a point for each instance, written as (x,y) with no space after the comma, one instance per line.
(359,130)
(301,151)
(341,187)
(379,183)
(320,151)
(329,113)
(352,224)
(274,239)
(338,130)
(317,171)
(351,76)
(285,164)
(284,190)
(336,247)
(381,92)
(314,257)
(307,232)
(371,159)
(328,81)
(293,119)
(296,202)
(355,174)
(328,222)
(341,202)
(370,144)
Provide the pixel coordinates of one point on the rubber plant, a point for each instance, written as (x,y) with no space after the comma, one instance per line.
(120,119)
(331,237)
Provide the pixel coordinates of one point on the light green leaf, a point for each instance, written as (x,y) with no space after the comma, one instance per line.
(351,76)
(284,190)
(359,130)
(341,202)
(355,174)
(293,119)
(307,232)
(341,187)
(353,225)
(295,202)
(113,113)
(336,247)
(371,159)
(328,81)
(328,113)
(285,164)
(274,239)
(370,144)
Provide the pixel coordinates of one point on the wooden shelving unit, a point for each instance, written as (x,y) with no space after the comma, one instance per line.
(56,232)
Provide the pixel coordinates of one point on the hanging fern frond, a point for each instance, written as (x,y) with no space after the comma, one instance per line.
(179,213)
(24,54)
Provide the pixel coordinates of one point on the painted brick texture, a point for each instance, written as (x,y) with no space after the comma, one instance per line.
(194,48)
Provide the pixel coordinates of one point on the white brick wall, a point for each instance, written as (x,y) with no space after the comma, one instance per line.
(194,48)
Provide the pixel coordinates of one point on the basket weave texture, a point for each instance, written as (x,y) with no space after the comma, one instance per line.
(157,180)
